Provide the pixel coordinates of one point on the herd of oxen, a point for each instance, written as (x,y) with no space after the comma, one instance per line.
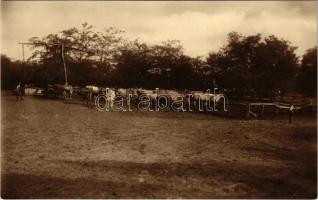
(89,93)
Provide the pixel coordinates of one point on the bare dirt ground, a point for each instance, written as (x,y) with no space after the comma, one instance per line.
(53,149)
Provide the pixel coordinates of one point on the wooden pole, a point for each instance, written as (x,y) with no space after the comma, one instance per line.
(22,52)
(23,62)
(248,111)
(23,66)
(64,66)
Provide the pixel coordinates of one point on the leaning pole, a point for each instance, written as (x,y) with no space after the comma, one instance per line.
(64,66)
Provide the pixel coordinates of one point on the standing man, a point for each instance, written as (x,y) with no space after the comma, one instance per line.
(19,91)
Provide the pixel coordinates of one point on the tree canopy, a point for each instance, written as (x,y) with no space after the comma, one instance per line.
(245,64)
(252,63)
(308,73)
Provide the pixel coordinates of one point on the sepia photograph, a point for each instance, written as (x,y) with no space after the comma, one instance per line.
(158,99)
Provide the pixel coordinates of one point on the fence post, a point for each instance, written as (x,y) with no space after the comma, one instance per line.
(248,111)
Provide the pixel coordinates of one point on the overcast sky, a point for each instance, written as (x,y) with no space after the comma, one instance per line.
(200,26)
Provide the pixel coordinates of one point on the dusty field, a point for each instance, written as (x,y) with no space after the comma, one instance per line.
(51,149)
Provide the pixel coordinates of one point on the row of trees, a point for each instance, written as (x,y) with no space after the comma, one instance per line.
(253,65)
